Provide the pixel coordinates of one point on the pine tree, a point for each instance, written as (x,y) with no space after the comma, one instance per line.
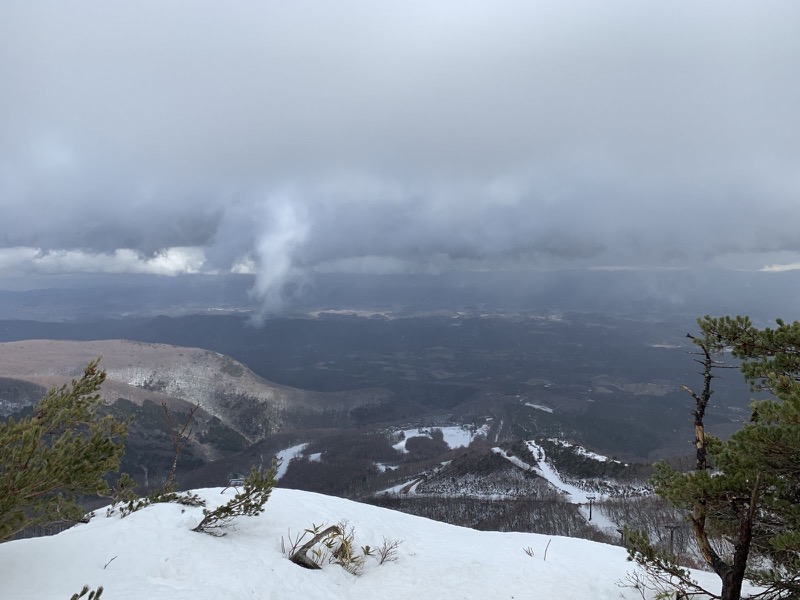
(55,456)
(769,445)
(745,490)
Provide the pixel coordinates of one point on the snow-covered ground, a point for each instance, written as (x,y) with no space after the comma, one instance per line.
(455,436)
(286,456)
(154,555)
(407,488)
(543,468)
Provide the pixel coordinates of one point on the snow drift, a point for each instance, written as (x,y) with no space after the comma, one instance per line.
(153,555)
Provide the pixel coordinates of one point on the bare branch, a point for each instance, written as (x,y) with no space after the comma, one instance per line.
(178,438)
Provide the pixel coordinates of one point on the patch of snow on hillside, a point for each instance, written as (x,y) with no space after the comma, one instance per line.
(582,451)
(547,471)
(407,488)
(395,490)
(156,556)
(455,436)
(401,445)
(286,456)
(412,489)
(575,494)
(539,407)
(514,460)
(599,518)
(316,457)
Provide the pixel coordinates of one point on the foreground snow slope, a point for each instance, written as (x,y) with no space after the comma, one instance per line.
(154,555)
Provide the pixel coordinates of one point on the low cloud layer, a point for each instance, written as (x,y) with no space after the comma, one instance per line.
(292,138)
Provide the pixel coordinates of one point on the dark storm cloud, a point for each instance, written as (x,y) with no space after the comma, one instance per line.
(289,137)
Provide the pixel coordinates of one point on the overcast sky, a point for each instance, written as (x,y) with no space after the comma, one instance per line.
(284,138)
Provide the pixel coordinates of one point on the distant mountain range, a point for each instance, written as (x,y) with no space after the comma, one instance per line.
(640,292)
(237,407)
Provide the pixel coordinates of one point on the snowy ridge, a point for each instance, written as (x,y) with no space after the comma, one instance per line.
(578,449)
(547,471)
(154,555)
(575,494)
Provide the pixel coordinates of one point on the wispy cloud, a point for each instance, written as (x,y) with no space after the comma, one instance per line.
(169,261)
(780,268)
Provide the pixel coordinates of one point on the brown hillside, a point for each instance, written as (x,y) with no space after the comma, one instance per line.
(222,386)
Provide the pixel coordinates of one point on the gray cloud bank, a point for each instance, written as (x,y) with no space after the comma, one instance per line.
(285,138)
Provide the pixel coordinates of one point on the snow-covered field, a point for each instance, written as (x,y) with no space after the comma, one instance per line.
(455,436)
(154,555)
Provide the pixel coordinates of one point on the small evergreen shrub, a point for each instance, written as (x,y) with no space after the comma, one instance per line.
(126,501)
(247,503)
(93,595)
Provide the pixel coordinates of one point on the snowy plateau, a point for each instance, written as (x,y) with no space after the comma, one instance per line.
(153,554)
